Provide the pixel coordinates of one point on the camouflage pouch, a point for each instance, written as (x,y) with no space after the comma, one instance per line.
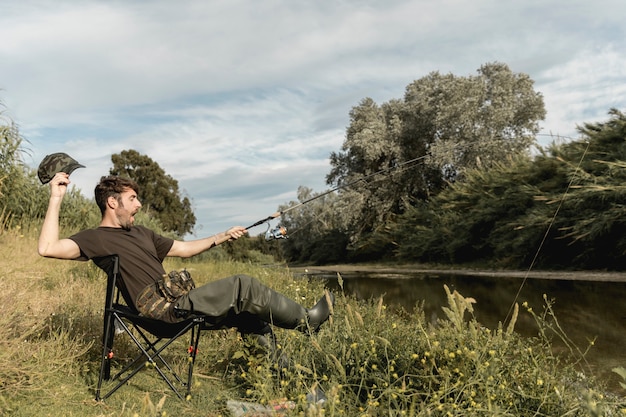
(175,284)
(151,303)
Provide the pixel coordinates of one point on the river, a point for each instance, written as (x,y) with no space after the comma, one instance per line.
(588,306)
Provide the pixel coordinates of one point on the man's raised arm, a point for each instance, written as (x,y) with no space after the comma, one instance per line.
(50,246)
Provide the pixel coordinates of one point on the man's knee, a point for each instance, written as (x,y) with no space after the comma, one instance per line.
(244,282)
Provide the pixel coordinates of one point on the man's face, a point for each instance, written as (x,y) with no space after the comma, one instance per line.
(128,206)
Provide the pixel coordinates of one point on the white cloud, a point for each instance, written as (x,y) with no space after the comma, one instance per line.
(583,89)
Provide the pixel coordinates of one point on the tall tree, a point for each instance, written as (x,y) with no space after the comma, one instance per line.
(371,146)
(459,122)
(158,191)
(472,121)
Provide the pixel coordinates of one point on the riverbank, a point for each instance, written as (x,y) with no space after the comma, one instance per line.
(586,303)
(597,276)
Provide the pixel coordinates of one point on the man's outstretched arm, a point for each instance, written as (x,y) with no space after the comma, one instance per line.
(185,249)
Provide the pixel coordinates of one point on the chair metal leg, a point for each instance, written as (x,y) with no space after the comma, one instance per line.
(193,351)
(107,345)
(151,354)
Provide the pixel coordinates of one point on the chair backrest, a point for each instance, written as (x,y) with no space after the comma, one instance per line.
(113,274)
(115,285)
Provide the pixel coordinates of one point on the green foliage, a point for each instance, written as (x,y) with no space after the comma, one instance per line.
(469,220)
(313,229)
(23,200)
(563,208)
(460,122)
(477,120)
(373,361)
(158,191)
(13,174)
(621,371)
(245,249)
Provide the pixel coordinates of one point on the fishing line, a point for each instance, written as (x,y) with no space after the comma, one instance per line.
(280,232)
(401,168)
(545,236)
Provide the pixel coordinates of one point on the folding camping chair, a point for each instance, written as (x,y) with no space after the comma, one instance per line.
(150,336)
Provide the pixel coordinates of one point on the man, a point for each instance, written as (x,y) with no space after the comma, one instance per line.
(237,301)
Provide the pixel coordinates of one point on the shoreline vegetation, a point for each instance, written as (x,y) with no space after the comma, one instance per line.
(369,360)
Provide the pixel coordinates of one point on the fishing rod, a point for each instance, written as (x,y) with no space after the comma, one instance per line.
(280,232)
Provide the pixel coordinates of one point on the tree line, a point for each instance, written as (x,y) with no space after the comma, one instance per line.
(481,189)
(486,193)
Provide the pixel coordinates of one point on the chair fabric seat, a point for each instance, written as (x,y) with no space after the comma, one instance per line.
(157,328)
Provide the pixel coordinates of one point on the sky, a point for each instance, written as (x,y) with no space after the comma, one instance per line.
(243,101)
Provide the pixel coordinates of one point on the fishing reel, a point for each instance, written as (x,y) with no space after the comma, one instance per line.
(279,232)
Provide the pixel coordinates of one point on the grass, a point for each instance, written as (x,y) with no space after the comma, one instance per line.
(369,360)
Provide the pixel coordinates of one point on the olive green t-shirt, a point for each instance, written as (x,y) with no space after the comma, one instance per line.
(141,253)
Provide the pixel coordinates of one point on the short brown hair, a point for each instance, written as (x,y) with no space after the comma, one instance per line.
(112,186)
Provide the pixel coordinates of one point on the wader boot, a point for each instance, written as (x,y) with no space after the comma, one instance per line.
(286,313)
